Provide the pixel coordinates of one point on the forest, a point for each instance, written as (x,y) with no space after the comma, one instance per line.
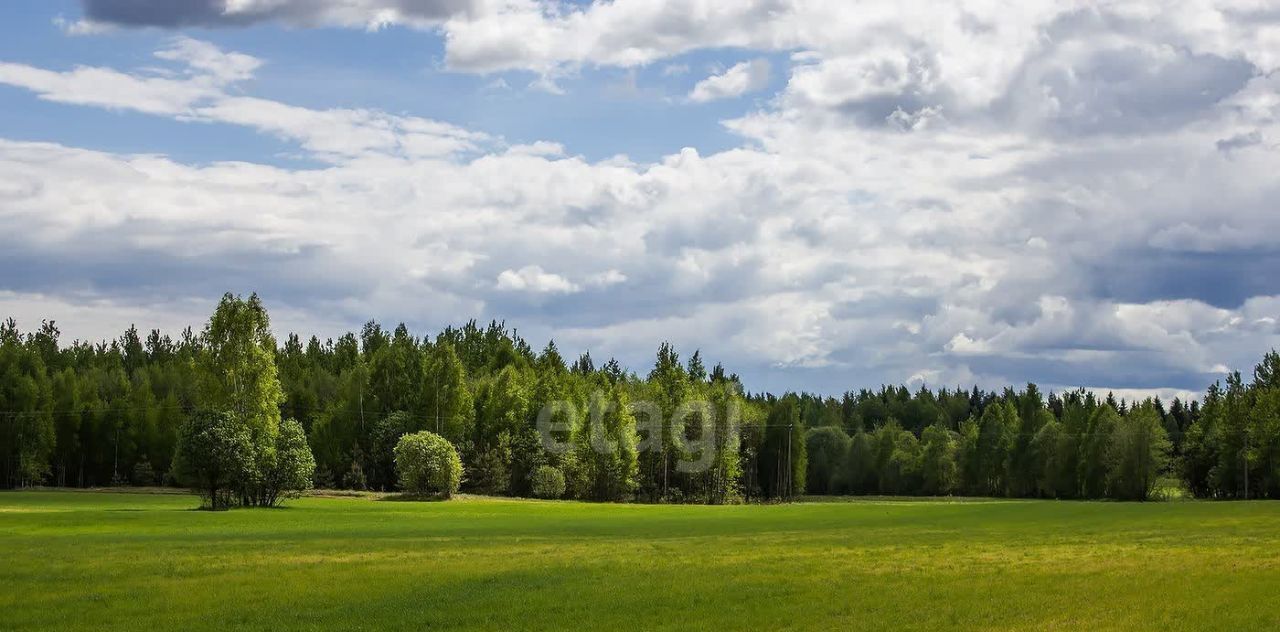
(114,413)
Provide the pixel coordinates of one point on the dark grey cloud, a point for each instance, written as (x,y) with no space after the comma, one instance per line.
(1239,141)
(173,14)
(106,262)
(1221,279)
(213,13)
(1137,369)
(881,305)
(1132,90)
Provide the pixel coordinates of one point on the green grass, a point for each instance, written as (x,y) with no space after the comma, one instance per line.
(73,560)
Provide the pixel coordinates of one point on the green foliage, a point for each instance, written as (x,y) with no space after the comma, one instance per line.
(504,412)
(1138,454)
(548,482)
(27,431)
(447,396)
(238,375)
(238,369)
(896,454)
(939,471)
(382,439)
(1264,453)
(214,456)
(428,464)
(489,471)
(143,474)
(1052,447)
(859,465)
(354,477)
(607,449)
(783,464)
(291,468)
(93,414)
(1097,441)
(968,458)
(666,388)
(997,435)
(826,448)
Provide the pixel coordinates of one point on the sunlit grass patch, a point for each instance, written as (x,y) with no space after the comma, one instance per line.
(119,561)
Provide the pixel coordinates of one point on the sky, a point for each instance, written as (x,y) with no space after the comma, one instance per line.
(822,195)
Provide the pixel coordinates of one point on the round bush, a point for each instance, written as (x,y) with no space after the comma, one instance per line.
(428,464)
(548,482)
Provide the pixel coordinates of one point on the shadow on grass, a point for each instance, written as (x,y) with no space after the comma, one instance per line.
(284,506)
(419,498)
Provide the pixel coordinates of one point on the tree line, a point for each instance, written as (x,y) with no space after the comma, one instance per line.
(532,423)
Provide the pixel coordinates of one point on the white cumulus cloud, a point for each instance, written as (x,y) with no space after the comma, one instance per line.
(741,78)
(533,278)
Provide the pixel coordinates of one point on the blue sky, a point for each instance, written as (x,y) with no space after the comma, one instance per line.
(634,111)
(822,195)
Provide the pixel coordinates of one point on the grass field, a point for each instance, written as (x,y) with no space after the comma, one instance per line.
(133,561)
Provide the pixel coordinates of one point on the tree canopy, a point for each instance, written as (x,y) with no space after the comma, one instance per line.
(330,413)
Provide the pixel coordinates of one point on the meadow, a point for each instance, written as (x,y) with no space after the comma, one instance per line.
(117,561)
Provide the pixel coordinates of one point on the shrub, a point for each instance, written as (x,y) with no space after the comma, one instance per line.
(213,456)
(323,478)
(428,464)
(291,467)
(144,474)
(490,472)
(548,482)
(354,478)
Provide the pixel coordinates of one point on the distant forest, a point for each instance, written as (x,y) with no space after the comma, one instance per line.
(110,413)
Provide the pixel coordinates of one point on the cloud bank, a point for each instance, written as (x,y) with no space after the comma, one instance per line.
(1076,194)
